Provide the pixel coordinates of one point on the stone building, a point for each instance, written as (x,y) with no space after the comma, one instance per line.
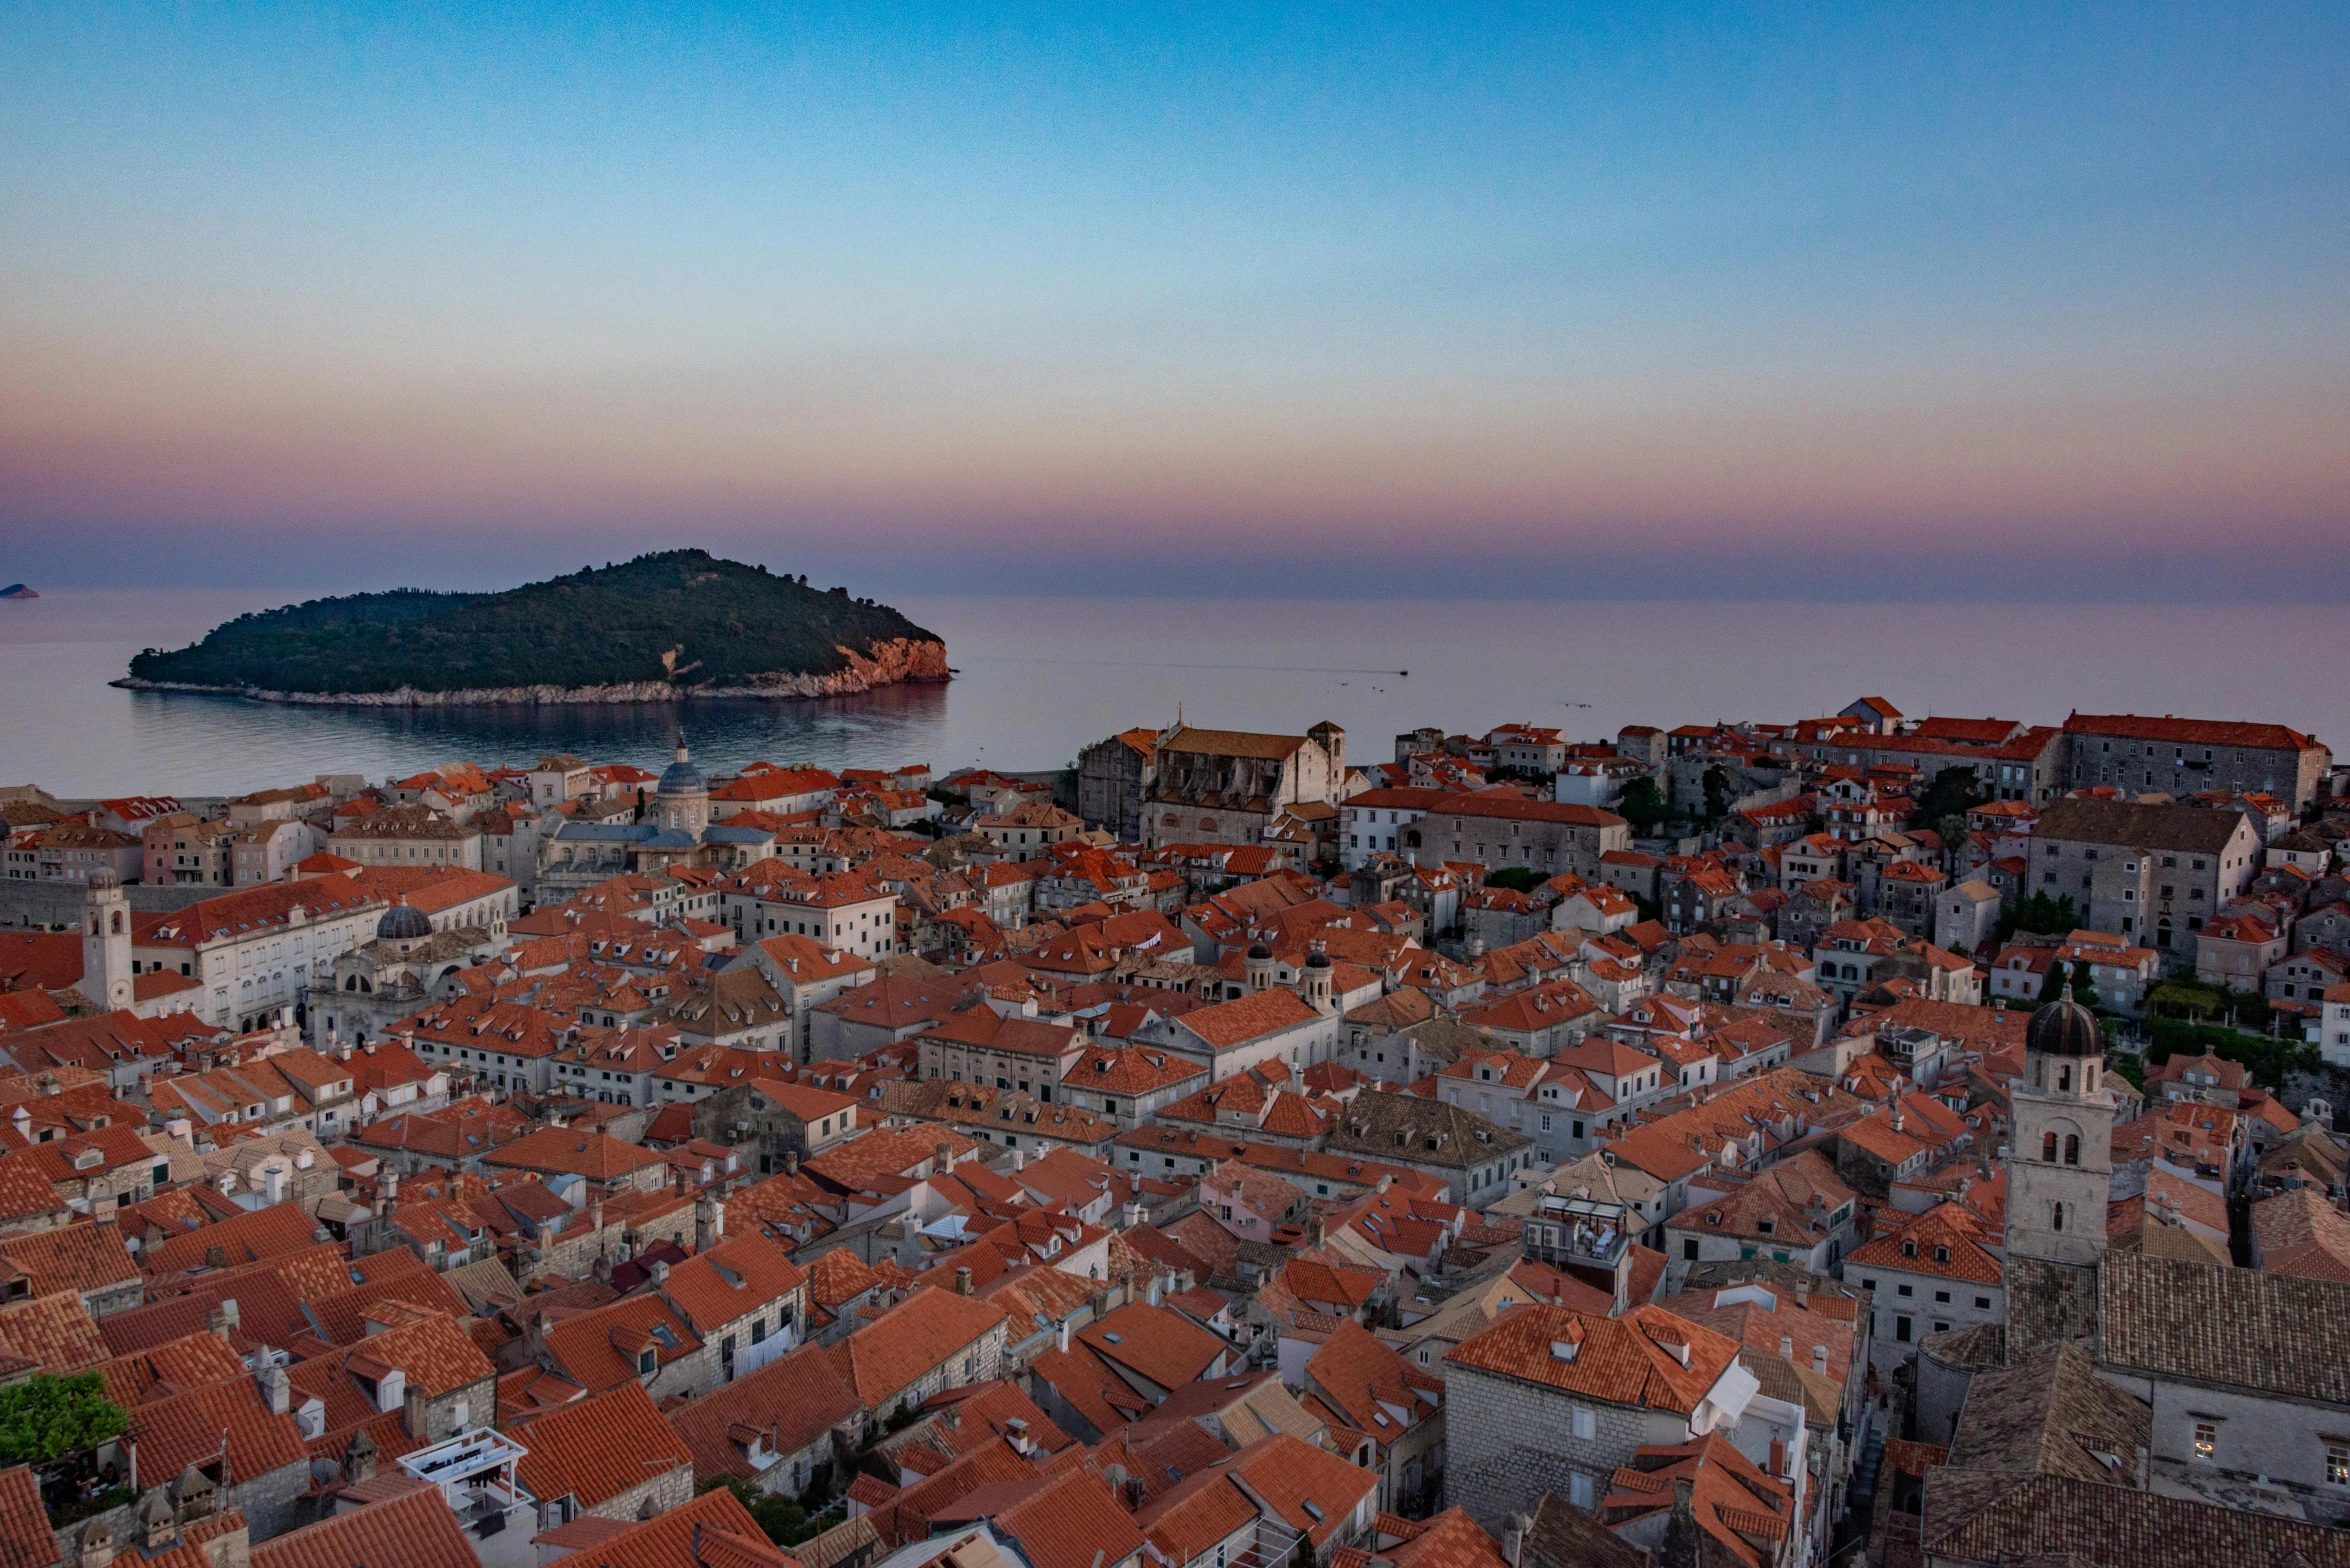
(2153,874)
(2189,756)
(1113,777)
(1501,828)
(1226,786)
(1548,1399)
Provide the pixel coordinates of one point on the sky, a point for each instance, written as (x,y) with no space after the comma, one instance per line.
(1761,302)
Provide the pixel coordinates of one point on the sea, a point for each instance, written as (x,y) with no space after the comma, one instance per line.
(1041,677)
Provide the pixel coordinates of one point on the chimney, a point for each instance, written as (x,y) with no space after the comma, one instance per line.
(660,1271)
(942,1158)
(1513,1539)
(791,1162)
(1019,1159)
(962,1280)
(412,1412)
(97,1548)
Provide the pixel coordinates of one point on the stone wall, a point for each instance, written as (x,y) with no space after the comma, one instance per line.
(1509,1441)
(38,905)
(672,1488)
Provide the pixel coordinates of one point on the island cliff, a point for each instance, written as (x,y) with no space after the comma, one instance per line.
(682,623)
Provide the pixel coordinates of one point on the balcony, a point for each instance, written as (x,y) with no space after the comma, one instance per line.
(476,1475)
(1585,1232)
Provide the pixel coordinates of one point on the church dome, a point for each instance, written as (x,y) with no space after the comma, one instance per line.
(1316,958)
(1259,952)
(2064,1028)
(403,922)
(682,778)
(104,877)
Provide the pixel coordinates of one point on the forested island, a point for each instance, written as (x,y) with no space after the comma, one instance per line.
(663,626)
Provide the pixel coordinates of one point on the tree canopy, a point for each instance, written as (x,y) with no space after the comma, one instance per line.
(1951,794)
(1643,805)
(47,1416)
(1520,879)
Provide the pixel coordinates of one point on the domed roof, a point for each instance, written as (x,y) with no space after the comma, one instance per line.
(2064,1028)
(403,922)
(682,777)
(105,877)
(1258,950)
(1317,957)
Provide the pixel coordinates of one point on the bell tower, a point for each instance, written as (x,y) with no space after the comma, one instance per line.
(106,942)
(2059,1174)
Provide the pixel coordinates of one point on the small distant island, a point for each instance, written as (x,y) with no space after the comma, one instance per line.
(17,591)
(681,623)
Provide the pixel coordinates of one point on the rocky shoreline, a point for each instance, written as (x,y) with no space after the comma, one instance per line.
(896,661)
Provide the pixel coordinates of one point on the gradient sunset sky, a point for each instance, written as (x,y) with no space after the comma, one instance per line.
(1806,302)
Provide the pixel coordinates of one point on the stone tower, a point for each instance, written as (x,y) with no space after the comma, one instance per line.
(2058,1177)
(1318,980)
(681,801)
(106,942)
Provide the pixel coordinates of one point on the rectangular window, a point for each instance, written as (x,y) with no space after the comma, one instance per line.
(2206,1440)
(1586,1422)
(1579,1491)
(2338,1464)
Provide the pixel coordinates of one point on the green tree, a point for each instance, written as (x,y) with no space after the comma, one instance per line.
(2084,984)
(1522,879)
(1643,805)
(1717,793)
(48,1416)
(1951,830)
(2041,914)
(1951,794)
(2052,983)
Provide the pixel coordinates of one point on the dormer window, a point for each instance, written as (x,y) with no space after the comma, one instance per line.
(1909,1249)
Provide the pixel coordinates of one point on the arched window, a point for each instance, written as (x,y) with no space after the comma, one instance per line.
(2056,1216)
(114,923)
(1207,824)
(2064,1080)
(2048,1148)
(1412,839)
(351,983)
(2072,1149)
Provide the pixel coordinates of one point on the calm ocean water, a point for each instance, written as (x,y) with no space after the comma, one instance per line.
(1043,676)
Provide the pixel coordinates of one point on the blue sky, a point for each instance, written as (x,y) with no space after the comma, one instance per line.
(1771,302)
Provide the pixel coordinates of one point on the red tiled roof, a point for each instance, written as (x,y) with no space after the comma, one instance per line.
(926,1330)
(414,1530)
(597,1448)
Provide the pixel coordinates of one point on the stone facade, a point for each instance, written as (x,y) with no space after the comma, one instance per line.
(2189,756)
(2150,874)
(1511,1441)
(671,1488)
(1113,776)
